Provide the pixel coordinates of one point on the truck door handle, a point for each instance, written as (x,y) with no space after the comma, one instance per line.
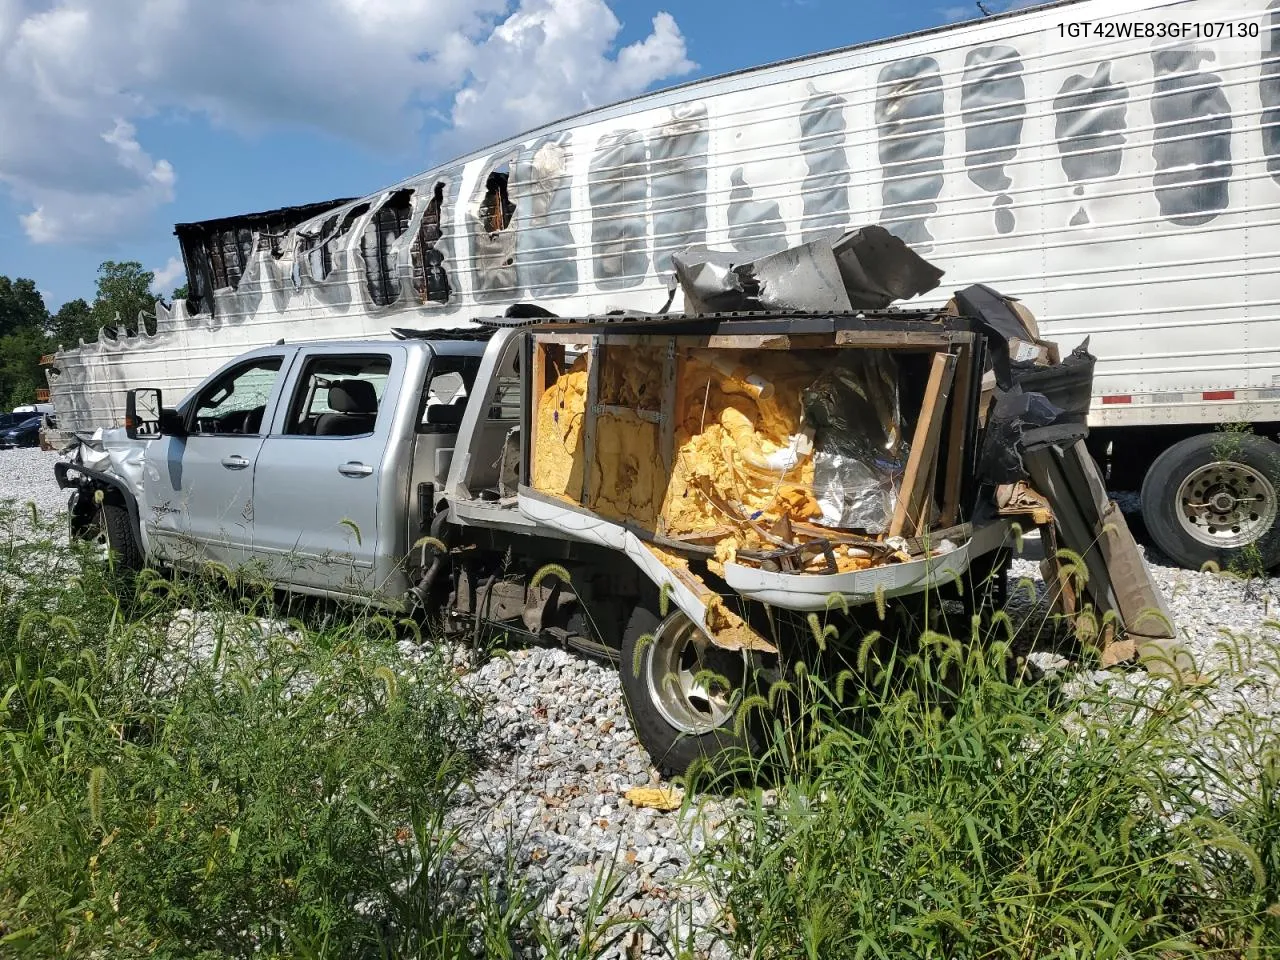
(353,468)
(235,462)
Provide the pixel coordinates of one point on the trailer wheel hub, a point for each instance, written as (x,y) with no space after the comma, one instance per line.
(1226,504)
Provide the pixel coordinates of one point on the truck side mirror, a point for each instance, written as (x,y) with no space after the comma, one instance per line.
(146,417)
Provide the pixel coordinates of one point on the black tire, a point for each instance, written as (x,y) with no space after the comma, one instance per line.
(673,749)
(116,529)
(1241,469)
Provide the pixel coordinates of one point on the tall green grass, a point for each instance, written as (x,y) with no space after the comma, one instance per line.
(185,774)
(928,803)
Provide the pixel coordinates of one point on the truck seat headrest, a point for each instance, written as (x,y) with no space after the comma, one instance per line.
(353,396)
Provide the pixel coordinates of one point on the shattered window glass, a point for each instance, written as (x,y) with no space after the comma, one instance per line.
(444,398)
(236,402)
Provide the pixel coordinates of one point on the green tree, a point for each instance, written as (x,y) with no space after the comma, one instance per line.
(21,306)
(23,320)
(20,371)
(73,321)
(124,292)
(180,293)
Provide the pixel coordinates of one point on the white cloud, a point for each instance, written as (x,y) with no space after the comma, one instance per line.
(551,58)
(167,277)
(76,76)
(64,213)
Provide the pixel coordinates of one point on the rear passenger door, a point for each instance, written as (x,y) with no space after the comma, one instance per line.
(319,476)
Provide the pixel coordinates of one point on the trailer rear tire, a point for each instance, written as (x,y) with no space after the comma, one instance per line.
(678,718)
(1212,498)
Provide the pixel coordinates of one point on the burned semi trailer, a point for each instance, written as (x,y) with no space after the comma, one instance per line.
(1122,184)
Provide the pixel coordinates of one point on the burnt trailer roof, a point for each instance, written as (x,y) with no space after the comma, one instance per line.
(216,252)
(297,214)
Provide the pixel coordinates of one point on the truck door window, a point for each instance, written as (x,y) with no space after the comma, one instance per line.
(494,471)
(507,388)
(338,396)
(235,402)
(445,396)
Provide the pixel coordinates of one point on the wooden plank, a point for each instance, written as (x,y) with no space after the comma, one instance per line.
(578,339)
(758,341)
(547,365)
(954,462)
(537,387)
(883,339)
(614,410)
(589,418)
(897,339)
(911,513)
(701,536)
(750,341)
(667,432)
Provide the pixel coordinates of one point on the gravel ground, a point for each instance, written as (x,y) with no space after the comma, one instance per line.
(564,754)
(26,475)
(553,798)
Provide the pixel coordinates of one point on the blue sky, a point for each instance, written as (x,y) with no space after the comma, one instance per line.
(112,145)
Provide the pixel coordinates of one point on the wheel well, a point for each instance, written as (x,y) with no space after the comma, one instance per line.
(89,489)
(1125,454)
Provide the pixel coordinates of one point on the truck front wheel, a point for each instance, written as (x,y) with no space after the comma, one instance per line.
(682,691)
(107,525)
(1212,498)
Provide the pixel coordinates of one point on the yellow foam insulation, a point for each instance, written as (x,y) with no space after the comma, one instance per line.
(628,477)
(729,630)
(741,459)
(724,626)
(655,798)
(632,376)
(557,455)
(740,450)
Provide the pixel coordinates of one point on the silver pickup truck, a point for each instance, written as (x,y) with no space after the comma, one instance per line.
(677,493)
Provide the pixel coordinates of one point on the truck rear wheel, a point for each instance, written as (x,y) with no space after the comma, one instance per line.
(1212,498)
(679,713)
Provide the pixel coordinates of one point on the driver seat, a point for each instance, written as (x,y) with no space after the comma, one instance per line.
(357,406)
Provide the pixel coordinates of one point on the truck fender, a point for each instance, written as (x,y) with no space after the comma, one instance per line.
(98,477)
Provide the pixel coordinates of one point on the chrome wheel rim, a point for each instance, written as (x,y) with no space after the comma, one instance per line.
(681,658)
(1226,504)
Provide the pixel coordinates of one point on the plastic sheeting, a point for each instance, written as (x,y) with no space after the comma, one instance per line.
(859,454)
